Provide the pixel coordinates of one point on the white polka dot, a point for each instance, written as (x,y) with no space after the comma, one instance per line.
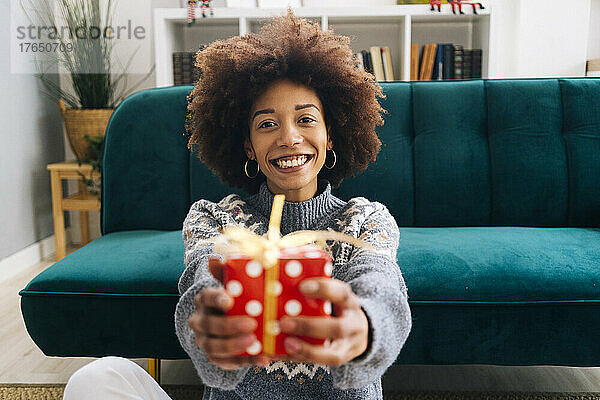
(253,269)
(328,269)
(273,328)
(274,288)
(327,307)
(293,268)
(312,254)
(293,307)
(327,342)
(253,308)
(234,288)
(254,348)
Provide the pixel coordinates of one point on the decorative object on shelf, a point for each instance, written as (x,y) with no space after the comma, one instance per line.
(94,89)
(456,4)
(206,4)
(191,12)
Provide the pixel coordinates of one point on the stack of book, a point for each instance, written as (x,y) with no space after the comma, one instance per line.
(184,71)
(378,61)
(444,61)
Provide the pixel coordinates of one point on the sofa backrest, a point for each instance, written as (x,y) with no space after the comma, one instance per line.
(513,152)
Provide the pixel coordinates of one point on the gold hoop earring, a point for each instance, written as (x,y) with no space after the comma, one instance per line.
(246,169)
(334,159)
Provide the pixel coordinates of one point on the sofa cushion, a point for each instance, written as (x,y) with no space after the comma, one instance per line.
(502,295)
(111,297)
(501,264)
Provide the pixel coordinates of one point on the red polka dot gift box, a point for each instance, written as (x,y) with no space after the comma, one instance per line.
(269,294)
(263,274)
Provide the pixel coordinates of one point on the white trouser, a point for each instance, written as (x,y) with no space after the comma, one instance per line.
(113,378)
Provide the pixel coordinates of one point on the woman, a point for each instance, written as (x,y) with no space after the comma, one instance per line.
(270,111)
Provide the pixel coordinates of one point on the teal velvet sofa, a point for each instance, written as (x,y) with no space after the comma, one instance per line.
(495,185)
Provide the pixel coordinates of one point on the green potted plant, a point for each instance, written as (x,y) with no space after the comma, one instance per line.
(93,90)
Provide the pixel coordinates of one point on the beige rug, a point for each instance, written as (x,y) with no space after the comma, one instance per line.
(18,391)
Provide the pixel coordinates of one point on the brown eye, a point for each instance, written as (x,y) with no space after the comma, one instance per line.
(308,118)
(266,122)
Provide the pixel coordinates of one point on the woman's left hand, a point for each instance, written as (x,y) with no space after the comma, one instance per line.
(348,330)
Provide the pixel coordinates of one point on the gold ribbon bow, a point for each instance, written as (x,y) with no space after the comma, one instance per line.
(236,240)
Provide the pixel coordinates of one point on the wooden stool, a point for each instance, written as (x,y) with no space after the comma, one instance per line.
(82,201)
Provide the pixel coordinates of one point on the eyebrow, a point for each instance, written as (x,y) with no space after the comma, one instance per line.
(270,110)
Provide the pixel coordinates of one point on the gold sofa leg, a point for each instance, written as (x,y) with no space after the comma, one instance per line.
(154,368)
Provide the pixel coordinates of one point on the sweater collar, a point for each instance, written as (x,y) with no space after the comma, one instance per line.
(304,214)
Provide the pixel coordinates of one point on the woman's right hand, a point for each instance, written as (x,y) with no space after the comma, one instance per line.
(222,337)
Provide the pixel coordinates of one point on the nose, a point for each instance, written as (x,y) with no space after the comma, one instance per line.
(289,135)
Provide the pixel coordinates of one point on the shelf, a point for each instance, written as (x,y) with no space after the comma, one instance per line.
(78,201)
(395,26)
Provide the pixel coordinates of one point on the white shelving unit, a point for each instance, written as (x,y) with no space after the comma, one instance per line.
(396,26)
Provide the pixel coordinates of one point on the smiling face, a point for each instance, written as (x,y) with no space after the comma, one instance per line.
(288,138)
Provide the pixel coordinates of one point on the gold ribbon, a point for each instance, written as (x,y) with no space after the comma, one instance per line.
(238,240)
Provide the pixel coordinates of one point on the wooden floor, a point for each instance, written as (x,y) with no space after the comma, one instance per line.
(21,361)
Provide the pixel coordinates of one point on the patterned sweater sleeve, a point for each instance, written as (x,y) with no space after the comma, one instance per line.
(204,220)
(377,281)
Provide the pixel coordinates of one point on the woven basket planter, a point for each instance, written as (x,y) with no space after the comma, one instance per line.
(79,123)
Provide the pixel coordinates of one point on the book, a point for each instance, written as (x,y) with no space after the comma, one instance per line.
(427,61)
(388,70)
(437,64)
(458,61)
(476,63)
(178,68)
(467,64)
(359,61)
(447,61)
(414,62)
(377,63)
(367,61)
(184,70)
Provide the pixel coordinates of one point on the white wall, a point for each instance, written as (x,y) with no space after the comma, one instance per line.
(31,138)
(540,38)
(593,50)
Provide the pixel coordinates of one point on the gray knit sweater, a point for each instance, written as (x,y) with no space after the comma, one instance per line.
(373,275)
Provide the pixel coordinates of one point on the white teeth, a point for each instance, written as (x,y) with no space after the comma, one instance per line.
(292,163)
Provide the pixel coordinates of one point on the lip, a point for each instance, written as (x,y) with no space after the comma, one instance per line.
(293,169)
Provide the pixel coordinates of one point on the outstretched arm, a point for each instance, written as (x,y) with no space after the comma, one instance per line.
(200,224)
(377,281)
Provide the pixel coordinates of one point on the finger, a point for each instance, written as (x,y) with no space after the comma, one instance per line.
(300,351)
(338,292)
(213,297)
(217,269)
(221,325)
(220,347)
(320,327)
